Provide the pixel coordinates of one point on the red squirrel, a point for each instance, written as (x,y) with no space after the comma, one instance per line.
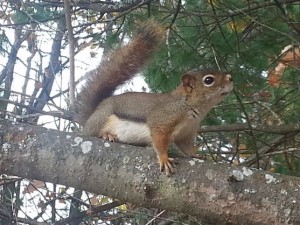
(148,118)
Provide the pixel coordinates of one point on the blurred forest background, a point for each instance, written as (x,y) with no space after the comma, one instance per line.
(47,45)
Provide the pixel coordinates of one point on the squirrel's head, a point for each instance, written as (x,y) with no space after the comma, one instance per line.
(209,86)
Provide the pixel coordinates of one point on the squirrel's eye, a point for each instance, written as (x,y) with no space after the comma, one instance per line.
(208,80)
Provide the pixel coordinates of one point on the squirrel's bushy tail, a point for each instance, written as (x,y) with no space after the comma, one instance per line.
(117,67)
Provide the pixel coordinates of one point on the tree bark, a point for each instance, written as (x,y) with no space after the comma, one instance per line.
(214,192)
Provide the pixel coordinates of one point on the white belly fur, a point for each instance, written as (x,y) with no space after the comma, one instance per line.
(126,131)
(138,133)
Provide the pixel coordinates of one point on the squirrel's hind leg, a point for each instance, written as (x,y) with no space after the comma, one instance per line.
(108,136)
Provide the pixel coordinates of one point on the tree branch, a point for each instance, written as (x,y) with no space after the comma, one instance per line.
(68,15)
(59,113)
(213,192)
(281,129)
(99,6)
(53,67)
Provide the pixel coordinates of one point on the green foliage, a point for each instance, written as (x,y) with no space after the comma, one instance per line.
(35,14)
(234,43)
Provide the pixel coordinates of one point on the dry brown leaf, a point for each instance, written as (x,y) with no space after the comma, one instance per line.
(290,56)
(275,75)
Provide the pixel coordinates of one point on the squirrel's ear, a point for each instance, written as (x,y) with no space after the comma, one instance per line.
(188,80)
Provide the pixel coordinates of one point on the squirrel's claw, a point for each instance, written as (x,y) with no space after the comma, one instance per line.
(166,166)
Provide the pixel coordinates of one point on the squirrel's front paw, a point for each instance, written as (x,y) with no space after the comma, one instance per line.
(166,165)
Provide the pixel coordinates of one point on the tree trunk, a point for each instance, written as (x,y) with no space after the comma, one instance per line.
(217,193)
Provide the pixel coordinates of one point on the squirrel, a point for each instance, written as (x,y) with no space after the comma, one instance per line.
(148,118)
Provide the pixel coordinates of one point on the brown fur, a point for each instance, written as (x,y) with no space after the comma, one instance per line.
(117,67)
(148,118)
